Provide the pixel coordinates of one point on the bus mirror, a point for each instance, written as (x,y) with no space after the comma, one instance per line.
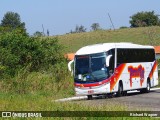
(107,60)
(70,66)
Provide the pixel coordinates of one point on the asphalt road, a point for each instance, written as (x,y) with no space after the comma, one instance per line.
(133,101)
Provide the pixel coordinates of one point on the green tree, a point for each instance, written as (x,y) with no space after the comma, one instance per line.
(38,34)
(82,29)
(123,27)
(95,26)
(79,29)
(12,21)
(142,19)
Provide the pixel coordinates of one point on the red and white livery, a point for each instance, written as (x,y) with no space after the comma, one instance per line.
(114,68)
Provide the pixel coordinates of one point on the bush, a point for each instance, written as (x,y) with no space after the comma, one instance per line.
(123,27)
(19,51)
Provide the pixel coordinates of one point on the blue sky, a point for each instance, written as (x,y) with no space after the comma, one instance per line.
(60,16)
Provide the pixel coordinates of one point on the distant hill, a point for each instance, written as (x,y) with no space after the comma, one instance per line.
(144,35)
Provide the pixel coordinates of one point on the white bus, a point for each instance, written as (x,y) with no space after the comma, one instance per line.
(114,68)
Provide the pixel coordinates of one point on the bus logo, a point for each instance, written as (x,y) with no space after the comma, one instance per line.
(136,72)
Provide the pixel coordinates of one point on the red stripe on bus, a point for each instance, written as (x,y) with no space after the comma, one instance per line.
(116,76)
(153,69)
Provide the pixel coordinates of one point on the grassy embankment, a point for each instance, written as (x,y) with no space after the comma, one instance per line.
(143,36)
(38,90)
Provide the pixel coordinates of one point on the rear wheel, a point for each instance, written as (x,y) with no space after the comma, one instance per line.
(142,90)
(147,89)
(89,97)
(124,93)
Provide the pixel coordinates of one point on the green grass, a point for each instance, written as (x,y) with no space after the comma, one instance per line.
(37,102)
(30,102)
(142,36)
(38,83)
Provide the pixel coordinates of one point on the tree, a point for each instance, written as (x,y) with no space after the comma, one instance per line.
(47,32)
(142,19)
(38,34)
(95,26)
(79,29)
(82,29)
(13,21)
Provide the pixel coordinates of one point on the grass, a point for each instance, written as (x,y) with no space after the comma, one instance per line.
(30,102)
(144,36)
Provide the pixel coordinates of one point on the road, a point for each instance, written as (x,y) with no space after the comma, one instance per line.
(133,101)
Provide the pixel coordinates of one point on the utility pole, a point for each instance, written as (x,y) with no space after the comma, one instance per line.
(111,21)
(43,30)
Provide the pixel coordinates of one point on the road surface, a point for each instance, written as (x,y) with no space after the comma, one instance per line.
(133,101)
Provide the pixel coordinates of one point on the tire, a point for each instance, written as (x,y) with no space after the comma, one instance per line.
(142,90)
(147,89)
(89,97)
(120,90)
(124,93)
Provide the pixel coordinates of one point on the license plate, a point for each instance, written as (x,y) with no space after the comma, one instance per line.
(90,91)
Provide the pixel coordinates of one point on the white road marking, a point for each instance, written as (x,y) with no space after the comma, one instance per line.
(71,98)
(85,97)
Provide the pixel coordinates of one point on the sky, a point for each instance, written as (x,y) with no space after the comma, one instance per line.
(62,16)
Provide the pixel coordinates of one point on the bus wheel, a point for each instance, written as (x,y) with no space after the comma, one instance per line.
(142,90)
(124,93)
(89,97)
(120,90)
(147,89)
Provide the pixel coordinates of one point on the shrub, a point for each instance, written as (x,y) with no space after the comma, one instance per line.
(18,51)
(123,27)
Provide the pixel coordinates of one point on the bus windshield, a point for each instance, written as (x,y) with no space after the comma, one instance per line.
(91,68)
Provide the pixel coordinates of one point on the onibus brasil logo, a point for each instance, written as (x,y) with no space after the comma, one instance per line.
(21,114)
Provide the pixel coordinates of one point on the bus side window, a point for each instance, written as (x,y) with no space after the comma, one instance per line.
(111,64)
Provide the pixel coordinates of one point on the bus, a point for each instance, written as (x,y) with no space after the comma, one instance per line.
(114,68)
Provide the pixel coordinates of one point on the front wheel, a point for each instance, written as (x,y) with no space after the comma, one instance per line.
(120,90)
(89,97)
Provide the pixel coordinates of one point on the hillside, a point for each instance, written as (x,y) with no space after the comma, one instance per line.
(144,35)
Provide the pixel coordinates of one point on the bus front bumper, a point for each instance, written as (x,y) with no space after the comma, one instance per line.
(103,89)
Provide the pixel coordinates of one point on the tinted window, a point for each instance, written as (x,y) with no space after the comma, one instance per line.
(135,55)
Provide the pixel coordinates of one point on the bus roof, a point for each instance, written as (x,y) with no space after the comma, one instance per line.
(102,47)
